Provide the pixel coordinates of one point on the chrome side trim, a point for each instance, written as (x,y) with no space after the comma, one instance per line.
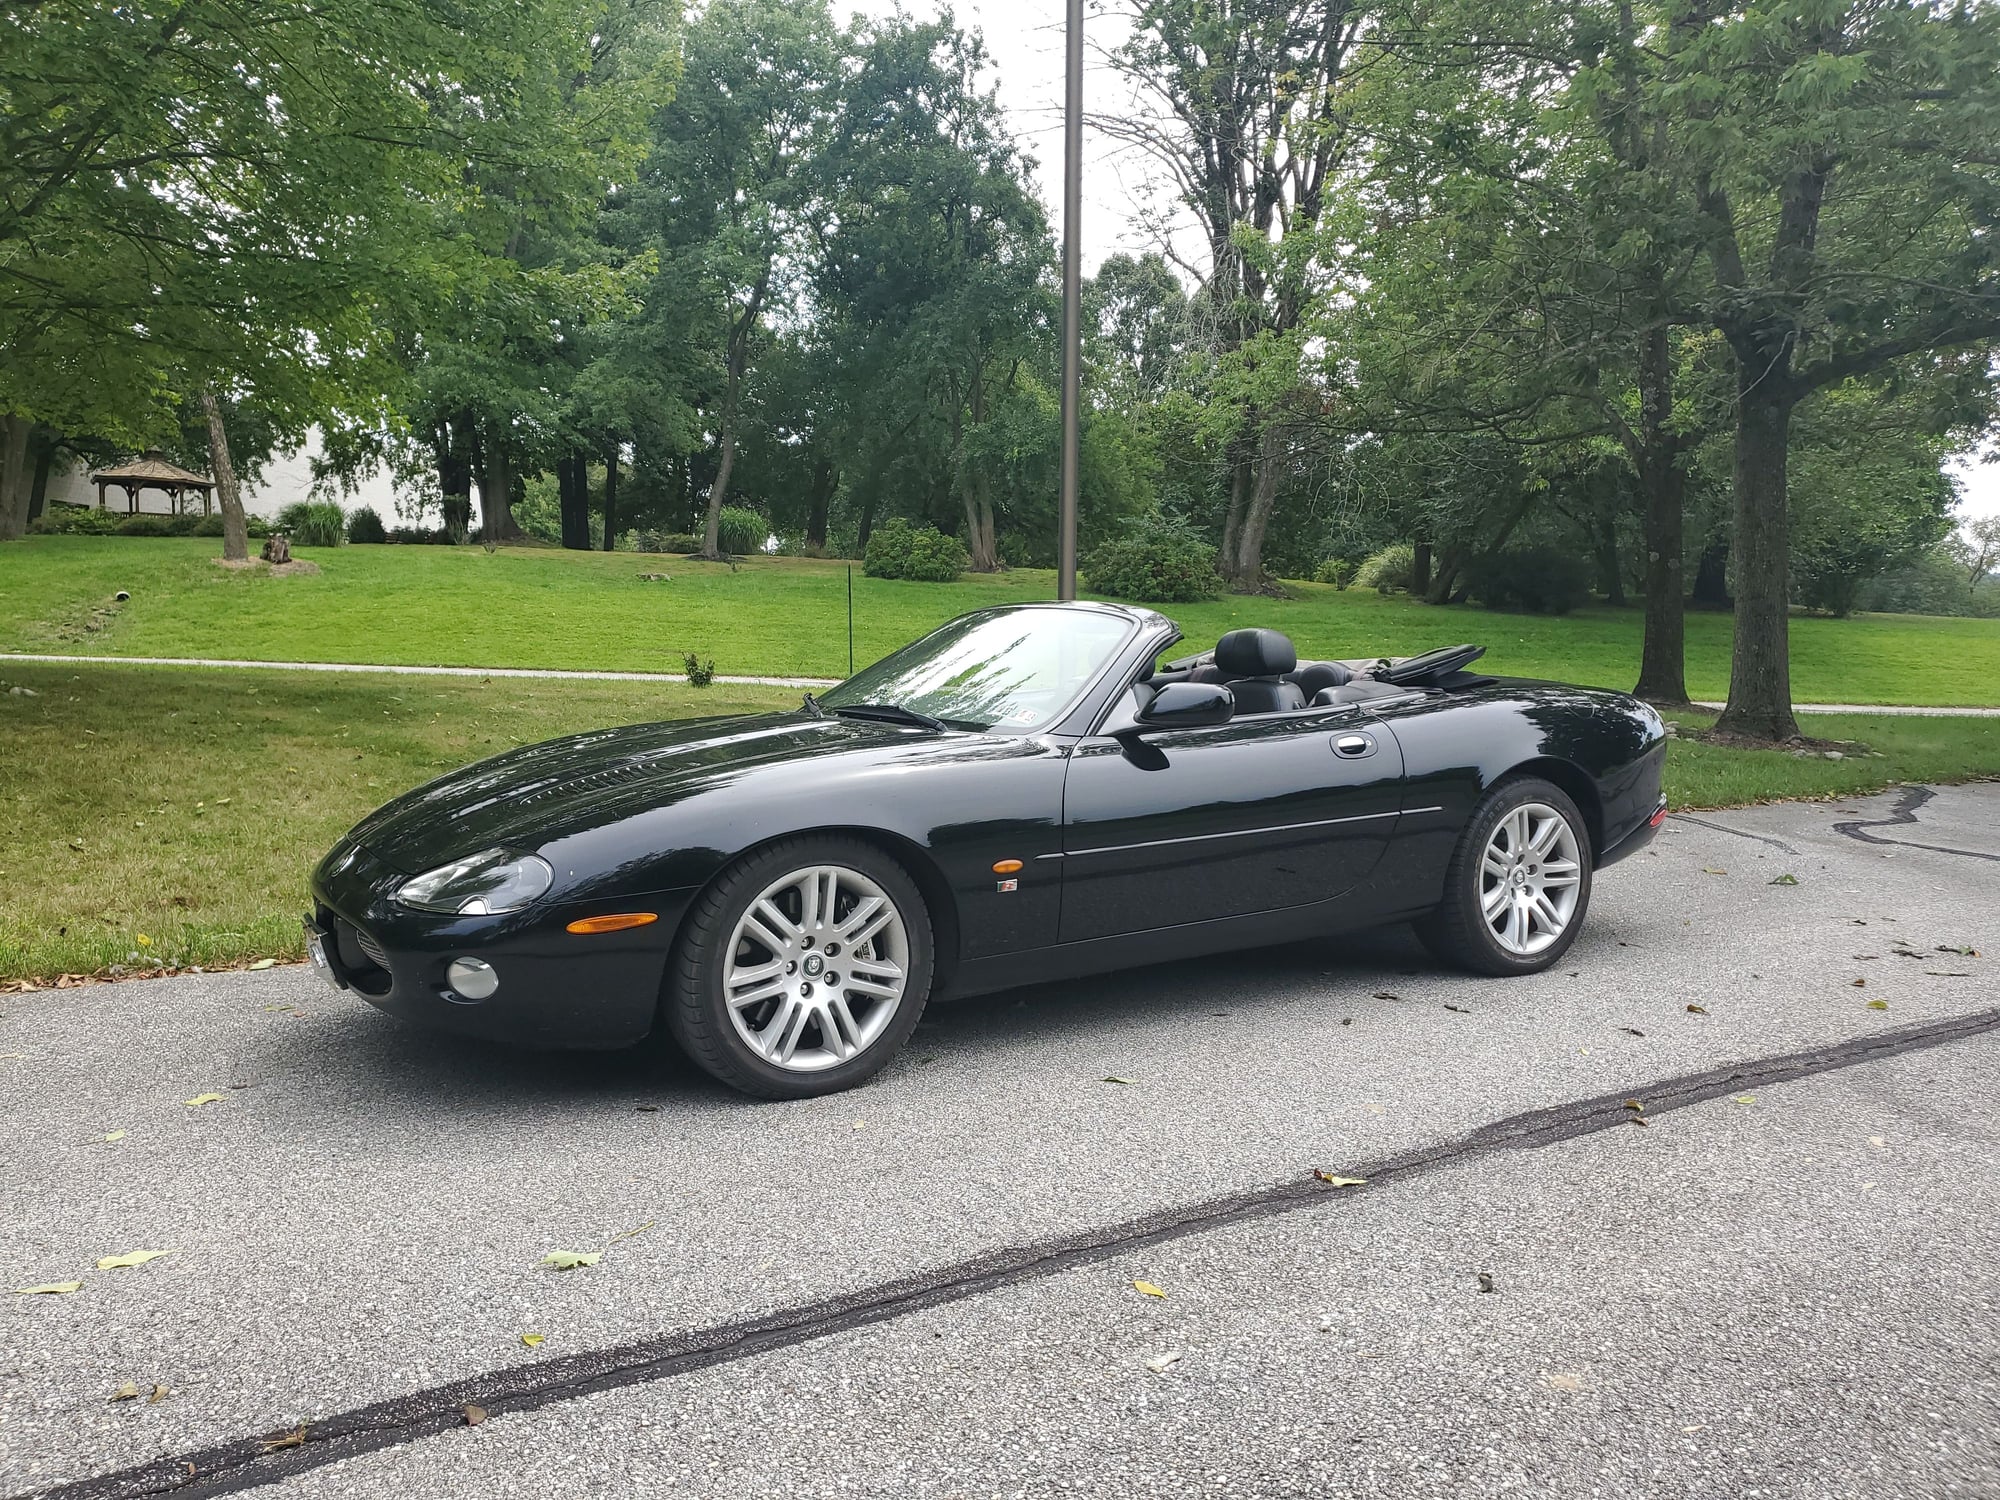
(1241,833)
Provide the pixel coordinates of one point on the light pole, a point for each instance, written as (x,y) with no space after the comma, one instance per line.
(1072,335)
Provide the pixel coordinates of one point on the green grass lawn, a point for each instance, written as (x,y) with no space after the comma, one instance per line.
(538,607)
(186,806)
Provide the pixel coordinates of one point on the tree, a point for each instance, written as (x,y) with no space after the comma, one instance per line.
(1843,166)
(1247,108)
(729,196)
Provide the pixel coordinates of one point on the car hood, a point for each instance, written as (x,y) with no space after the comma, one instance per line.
(532,797)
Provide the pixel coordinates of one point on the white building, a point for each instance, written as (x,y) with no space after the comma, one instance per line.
(286,478)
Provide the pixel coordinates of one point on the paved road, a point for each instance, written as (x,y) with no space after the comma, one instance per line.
(1785,1286)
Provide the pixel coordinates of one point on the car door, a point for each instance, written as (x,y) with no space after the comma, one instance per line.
(1261,813)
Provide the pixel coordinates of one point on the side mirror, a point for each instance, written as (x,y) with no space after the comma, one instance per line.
(1188,705)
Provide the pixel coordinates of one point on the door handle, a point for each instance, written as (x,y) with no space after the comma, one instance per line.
(1353,746)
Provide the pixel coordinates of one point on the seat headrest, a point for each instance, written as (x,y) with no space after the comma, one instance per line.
(1316,676)
(1255,653)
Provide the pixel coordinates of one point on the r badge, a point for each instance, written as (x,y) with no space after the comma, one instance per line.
(1004,886)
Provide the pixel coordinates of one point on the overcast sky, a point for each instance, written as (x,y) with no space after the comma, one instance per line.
(1024,38)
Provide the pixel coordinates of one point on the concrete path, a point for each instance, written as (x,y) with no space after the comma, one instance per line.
(1783,1284)
(1956,712)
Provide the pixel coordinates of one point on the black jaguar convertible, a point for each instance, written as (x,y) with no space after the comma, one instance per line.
(1027,793)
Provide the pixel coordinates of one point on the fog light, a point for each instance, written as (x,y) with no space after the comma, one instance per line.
(472,977)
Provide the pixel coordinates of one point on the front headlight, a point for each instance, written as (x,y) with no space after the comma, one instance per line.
(494,880)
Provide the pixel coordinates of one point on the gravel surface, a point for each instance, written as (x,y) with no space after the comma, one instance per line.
(364,1212)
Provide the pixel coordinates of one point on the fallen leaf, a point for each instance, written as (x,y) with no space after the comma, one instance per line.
(1563,1382)
(1707,871)
(160,1393)
(1387,995)
(1746,1098)
(1114,1078)
(1160,1363)
(569,1260)
(532,1340)
(1631,1031)
(1634,1104)
(136,1258)
(129,1391)
(114,1135)
(1147,1288)
(1961,952)
(265,963)
(645,1109)
(1878,1004)
(48,1288)
(144,941)
(1784,880)
(1860,984)
(1879,1142)
(1486,1283)
(474,1415)
(1697,1010)
(1640,1120)
(1332,1181)
(1459,1008)
(200,1099)
(293,1439)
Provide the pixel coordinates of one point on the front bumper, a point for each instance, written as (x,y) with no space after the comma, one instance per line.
(557,989)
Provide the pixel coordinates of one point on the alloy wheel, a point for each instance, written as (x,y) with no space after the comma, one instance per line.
(1529,879)
(816,968)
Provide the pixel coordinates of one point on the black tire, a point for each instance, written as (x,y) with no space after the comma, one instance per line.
(693,1004)
(1458,932)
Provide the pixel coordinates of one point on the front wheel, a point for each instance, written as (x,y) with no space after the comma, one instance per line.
(1518,885)
(802,969)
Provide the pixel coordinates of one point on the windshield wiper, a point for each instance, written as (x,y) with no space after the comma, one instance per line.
(811,706)
(892,713)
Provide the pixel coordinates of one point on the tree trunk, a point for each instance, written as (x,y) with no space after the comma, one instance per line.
(1246,566)
(824,481)
(1420,569)
(1711,576)
(1760,671)
(45,459)
(15,436)
(235,535)
(573,491)
(496,486)
(611,498)
(1610,570)
(1232,520)
(451,446)
(1663,653)
(711,531)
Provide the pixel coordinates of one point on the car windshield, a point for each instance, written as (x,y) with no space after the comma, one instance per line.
(1018,669)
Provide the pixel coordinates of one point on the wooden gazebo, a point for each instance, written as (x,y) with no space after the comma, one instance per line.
(152,472)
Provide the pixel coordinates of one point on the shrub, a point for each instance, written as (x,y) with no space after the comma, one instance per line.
(739,531)
(183,524)
(896,549)
(648,540)
(700,672)
(1338,571)
(1394,567)
(365,526)
(1158,560)
(76,520)
(144,525)
(1542,580)
(313,523)
(208,525)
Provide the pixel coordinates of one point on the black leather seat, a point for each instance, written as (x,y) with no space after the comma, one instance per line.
(1317,676)
(1253,662)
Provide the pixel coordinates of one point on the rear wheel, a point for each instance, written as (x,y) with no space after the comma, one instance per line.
(802,969)
(1518,886)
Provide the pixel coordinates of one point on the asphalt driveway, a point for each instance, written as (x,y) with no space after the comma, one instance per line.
(1784,1283)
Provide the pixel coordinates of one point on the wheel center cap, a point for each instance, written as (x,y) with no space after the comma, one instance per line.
(1520,876)
(813,965)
